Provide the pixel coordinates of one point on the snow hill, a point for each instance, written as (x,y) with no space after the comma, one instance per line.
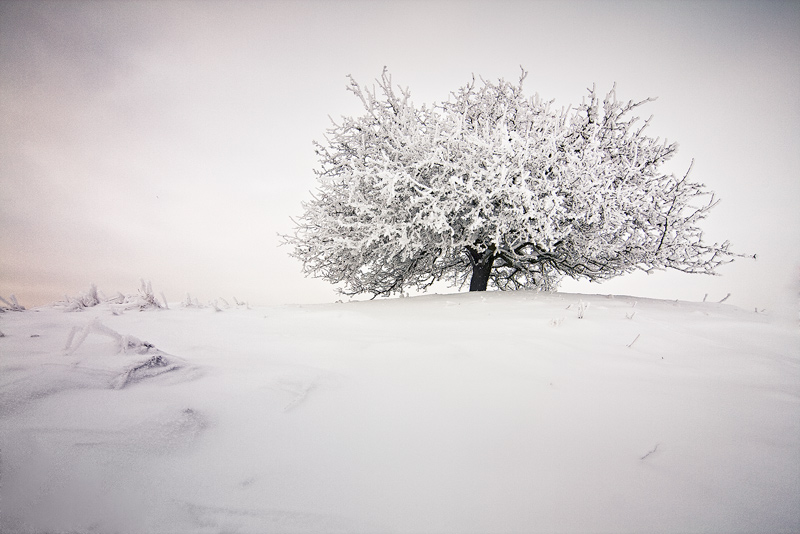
(492,412)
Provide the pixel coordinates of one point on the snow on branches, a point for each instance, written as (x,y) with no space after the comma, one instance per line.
(497,188)
(145,299)
(13,305)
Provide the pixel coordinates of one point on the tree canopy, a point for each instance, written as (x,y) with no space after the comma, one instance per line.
(497,188)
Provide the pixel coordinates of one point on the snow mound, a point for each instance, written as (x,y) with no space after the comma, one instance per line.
(88,365)
(512,412)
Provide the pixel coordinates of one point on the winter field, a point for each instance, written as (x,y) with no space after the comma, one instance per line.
(492,412)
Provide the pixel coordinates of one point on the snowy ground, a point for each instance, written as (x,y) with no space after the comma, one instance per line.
(493,412)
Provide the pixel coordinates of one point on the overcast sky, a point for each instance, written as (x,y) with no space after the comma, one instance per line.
(172,141)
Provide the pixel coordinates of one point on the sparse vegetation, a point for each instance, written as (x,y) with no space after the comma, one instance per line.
(11,304)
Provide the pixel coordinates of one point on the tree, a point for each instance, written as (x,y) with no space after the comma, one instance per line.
(498,188)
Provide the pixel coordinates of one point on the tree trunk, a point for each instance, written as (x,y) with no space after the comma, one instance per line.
(481,269)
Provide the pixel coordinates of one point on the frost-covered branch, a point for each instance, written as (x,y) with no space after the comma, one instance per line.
(498,187)
(11,304)
(144,299)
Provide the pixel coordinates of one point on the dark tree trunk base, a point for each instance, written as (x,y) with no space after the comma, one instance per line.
(481,269)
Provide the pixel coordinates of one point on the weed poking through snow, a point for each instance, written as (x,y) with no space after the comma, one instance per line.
(582,307)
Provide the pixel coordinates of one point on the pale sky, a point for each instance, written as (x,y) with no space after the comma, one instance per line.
(172,141)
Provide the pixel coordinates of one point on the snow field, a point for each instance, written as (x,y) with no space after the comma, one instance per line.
(493,412)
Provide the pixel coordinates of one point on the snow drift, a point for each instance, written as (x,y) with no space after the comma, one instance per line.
(490,412)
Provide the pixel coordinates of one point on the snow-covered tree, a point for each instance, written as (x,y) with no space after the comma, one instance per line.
(499,189)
